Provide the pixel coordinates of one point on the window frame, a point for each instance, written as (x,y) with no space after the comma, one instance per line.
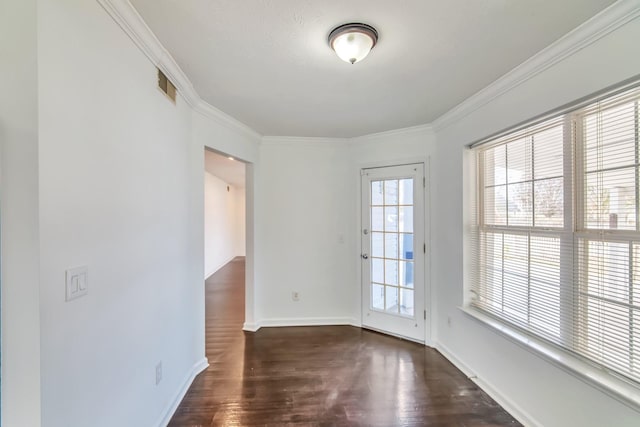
(572,117)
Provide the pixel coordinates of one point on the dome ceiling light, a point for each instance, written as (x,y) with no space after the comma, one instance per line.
(353,42)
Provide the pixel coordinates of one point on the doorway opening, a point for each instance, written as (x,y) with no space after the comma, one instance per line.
(224,211)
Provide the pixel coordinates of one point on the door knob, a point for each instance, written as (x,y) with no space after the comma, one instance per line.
(365,256)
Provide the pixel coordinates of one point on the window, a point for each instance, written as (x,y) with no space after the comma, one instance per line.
(557,236)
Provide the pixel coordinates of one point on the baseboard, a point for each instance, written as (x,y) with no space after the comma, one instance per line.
(218,267)
(509,405)
(300,321)
(200,366)
(250,327)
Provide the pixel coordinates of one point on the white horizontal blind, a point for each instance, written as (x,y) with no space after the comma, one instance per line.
(556,247)
(523,228)
(607,266)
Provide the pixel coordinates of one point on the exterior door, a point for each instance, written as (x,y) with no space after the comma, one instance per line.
(393,250)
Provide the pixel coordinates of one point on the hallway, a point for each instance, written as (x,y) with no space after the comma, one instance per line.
(338,375)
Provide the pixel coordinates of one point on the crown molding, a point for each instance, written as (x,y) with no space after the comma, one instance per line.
(302,140)
(607,21)
(426,128)
(128,18)
(283,140)
(211,112)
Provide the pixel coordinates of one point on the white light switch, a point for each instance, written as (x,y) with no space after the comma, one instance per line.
(82,282)
(77,282)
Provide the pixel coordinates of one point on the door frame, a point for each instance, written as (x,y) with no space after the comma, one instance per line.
(429,300)
(250,324)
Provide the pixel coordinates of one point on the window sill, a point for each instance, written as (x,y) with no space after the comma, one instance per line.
(619,389)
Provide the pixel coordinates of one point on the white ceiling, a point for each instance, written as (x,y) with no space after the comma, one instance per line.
(230,171)
(267,62)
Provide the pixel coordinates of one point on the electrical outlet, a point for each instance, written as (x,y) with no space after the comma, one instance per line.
(295,296)
(159,372)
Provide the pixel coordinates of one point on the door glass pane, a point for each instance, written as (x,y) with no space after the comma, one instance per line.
(391,192)
(406,219)
(406,246)
(406,191)
(406,274)
(377,219)
(377,245)
(391,245)
(392,251)
(391,272)
(406,302)
(391,218)
(377,270)
(392,299)
(377,296)
(377,195)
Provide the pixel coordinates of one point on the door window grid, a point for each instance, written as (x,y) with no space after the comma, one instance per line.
(392,266)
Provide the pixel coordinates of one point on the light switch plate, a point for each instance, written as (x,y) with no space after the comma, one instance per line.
(77,283)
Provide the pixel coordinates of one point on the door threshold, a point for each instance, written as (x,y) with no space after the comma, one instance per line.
(402,337)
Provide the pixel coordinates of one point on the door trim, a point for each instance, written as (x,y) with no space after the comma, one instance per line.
(428,292)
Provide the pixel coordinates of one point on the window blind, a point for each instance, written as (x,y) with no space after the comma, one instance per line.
(556,242)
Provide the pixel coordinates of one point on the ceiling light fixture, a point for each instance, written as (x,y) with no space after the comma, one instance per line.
(353,42)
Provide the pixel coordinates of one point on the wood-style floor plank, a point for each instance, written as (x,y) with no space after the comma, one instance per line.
(322,376)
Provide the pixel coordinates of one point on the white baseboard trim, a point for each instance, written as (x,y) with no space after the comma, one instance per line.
(509,405)
(200,366)
(300,321)
(218,267)
(250,327)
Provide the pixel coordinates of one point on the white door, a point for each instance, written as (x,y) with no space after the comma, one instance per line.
(393,250)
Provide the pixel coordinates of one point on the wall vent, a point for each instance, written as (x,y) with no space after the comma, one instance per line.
(166,86)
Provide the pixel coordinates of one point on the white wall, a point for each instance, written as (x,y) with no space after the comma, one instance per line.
(530,385)
(116,165)
(121,190)
(221,137)
(309,239)
(309,218)
(224,220)
(240,234)
(306,218)
(19,213)
(392,147)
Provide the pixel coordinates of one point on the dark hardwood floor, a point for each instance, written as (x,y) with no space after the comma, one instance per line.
(322,376)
